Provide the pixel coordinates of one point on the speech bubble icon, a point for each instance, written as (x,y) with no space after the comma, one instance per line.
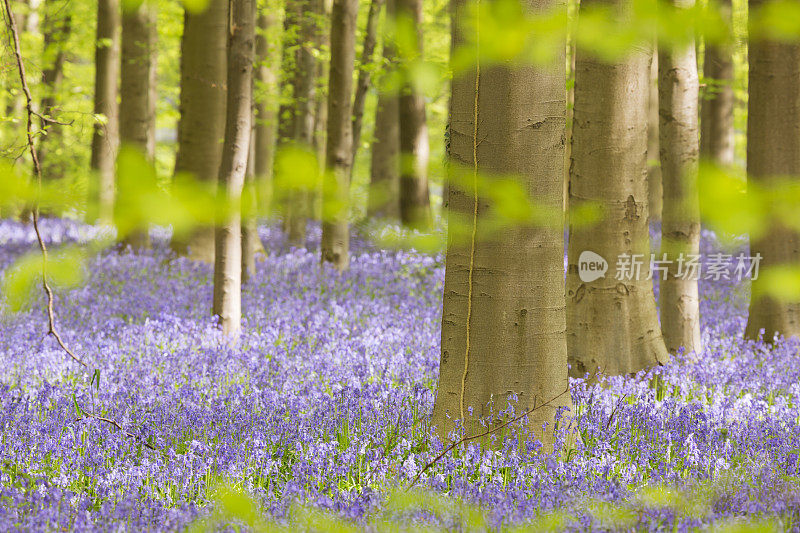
(591,266)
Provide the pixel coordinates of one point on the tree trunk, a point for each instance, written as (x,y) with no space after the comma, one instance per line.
(612,323)
(56,29)
(235,153)
(202,121)
(267,61)
(773,152)
(105,139)
(365,72)
(655,189)
(503,316)
(137,120)
(251,242)
(338,152)
(415,205)
(321,116)
(716,123)
(678,88)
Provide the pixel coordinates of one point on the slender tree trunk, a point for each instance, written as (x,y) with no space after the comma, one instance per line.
(202,123)
(384,189)
(415,205)
(235,153)
(251,242)
(716,124)
(678,88)
(338,152)
(366,64)
(56,29)
(137,121)
(321,115)
(267,61)
(105,139)
(289,64)
(773,152)
(655,190)
(503,316)
(612,323)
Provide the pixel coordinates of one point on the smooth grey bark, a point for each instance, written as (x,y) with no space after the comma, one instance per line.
(716,110)
(137,108)
(655,190)
(365,67)
(415,205)
(338,151)
(266,113)
(678,91)
(105,139)
(235,154)
(773,153)
(202,120)
(503,317)
(612,325)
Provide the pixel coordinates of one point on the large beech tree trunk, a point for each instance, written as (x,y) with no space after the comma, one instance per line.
(235,154)
(384,188)
(338,151)
(365,72)
(202,123)
(773,152)
(503,316)
(716,123)
(612,323)
(678,88)
(415,205)
(137,109)
(105,140)
(655,191)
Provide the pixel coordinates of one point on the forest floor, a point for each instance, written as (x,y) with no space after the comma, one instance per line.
(325,401)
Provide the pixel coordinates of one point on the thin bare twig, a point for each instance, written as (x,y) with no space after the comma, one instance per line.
(116,424)
(484,434)
(51,318)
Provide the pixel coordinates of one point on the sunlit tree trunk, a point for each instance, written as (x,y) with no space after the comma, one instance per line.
(773,152)
(251,242)
(678,88)
(338,151)
(716,123)
(266,92)
(137,120)
(612,323)
(56,30)
(503,316)
(202,121)
(415,208)
(235,154)
(655,189)
(105,139)
(365,71)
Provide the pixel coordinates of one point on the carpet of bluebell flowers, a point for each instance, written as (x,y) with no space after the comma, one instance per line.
(325,401)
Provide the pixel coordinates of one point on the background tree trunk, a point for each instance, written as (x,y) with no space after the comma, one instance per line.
(251,242)
(716,123)
(611,323)
(105,140)
(137,121)
(338,151)
(268,61)
(678,88)
(503,317)
(773,152)
(655,190)
(235,153)
(365,67)
(415,205)
(202,123)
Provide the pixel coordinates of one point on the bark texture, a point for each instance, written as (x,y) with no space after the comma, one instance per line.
(612,323)
(773,152)
(655,191)
(105,140)
(415,205)
(716,124)
(338,151)
(137,109)
(678,89)
(232,169)
(503,330)
(202,123)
